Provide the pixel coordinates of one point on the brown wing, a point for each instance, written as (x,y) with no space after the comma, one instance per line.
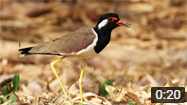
(70,43)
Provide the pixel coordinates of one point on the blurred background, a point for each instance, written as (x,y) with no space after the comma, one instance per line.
(152,52)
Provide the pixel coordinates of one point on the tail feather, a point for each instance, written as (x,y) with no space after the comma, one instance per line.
(25,51)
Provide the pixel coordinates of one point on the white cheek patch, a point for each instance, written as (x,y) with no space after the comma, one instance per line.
(103,23)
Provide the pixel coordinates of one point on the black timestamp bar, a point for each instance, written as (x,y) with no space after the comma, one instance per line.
(167,94)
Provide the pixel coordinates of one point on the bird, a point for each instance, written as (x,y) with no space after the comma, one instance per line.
(82,44)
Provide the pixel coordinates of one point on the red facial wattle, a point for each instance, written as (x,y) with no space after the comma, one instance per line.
(110,19)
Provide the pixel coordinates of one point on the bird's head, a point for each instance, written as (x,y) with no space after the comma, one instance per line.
(110,21)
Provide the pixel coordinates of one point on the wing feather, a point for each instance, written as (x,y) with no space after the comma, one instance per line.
(68,44)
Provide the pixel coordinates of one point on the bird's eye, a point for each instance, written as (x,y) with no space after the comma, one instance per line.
(110,19)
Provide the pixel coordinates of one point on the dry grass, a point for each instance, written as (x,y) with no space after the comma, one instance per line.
(151,53)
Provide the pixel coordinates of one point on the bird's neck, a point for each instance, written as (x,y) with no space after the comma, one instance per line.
(103,31)
(103,39)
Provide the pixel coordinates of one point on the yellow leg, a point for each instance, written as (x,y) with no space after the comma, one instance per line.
(53,68)
(80,83)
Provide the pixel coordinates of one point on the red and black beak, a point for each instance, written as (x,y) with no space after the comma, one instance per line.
(122,23)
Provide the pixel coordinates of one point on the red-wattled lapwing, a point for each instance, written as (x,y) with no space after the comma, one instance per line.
(83,44)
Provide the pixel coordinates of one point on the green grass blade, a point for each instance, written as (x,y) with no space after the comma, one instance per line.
(109,82)
(16,82)
(2,100)
(12,97)
(102,89)
(107,95)
(130,103)
(4,91)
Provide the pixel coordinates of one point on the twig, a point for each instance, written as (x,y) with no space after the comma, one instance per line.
(17,97)
(63,92)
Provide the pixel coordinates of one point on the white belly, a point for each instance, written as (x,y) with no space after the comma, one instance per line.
(87,54)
